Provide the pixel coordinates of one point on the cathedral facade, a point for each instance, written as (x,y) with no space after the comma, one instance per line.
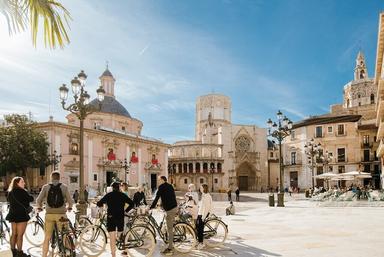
(223,155)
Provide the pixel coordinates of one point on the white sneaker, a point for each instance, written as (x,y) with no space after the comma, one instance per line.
(200,246)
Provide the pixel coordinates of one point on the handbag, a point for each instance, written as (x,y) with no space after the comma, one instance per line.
(29,209)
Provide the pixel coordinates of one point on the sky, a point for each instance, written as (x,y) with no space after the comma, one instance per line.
(265,54)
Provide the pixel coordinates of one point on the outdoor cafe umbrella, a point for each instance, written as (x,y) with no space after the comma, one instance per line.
(356,174)
(326,176)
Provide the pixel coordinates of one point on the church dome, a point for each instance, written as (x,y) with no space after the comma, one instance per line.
(111,105)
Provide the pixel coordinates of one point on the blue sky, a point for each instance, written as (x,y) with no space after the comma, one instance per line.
(266,55)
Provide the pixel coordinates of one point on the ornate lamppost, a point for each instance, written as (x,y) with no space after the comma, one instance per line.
(81,109)
(54,159)
(312,150)
(280,130)
(126,166)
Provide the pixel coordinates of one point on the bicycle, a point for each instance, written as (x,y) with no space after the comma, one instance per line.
(215,230)
(5,231)
(137,240)
(184,236)
(61,241)
(34,232)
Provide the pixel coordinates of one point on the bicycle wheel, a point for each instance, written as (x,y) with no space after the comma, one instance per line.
(82,222)
(5,234)
(215,232)
(66,248)
(34,233)
(184,237)
(93,240)
(139,241)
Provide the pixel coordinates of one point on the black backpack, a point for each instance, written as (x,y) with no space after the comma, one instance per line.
(55,197)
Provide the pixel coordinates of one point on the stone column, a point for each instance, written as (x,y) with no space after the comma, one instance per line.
(141,175)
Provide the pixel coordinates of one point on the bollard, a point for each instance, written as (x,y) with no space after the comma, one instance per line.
(271,199)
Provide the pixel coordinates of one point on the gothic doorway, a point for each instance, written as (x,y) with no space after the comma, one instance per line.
(246,177)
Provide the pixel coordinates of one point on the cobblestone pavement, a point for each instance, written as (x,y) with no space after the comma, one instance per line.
(302,228)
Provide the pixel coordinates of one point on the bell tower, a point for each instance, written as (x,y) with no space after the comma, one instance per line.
(108,82)
(360,69)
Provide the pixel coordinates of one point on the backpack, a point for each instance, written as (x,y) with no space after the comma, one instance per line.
(55,197)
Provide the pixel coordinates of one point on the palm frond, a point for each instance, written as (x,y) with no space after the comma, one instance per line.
(54,18)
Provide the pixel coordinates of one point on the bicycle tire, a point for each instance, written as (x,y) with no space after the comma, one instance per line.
(93,240)
(34,233)
(215,232)
(184,237)
(5,234)
(139,241)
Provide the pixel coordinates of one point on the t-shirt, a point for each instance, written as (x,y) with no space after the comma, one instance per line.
(116,201)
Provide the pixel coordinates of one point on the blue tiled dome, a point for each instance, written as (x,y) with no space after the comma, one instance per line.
(111,105)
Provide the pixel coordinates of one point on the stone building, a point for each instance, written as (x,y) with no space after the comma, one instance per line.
(379,83)
(223,155)
(111,135)
(347,136)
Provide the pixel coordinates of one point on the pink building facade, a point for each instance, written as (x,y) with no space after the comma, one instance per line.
(111,136)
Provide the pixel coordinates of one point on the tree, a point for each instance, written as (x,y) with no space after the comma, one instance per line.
(22,145)
(21,13)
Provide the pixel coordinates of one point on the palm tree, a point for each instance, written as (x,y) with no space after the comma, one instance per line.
(21,13)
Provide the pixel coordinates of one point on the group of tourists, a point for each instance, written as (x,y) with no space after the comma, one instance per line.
(58,201)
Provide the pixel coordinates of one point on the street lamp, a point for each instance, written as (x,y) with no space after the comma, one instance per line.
(125,165)
(280,130)
(312,150)
(54,159)
(81,108)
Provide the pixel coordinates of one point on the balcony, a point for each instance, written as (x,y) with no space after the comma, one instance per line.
(342,159)
(293,163)
(367,145)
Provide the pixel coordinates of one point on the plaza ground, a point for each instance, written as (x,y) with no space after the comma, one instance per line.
(302,228)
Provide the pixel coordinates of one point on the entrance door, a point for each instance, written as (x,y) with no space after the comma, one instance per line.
(243,183)
(293,179)
(110,177)
(153,182)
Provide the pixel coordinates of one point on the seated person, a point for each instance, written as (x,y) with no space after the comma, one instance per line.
(230,210)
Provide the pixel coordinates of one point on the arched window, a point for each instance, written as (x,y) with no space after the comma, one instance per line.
(197,167)
(219,167)
(190,168)
(74,149)
(185,168)
(372,98)
(180,169)
(205,167)
(174,168)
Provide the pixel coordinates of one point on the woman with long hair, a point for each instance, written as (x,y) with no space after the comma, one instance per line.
(205,208)
(19,207)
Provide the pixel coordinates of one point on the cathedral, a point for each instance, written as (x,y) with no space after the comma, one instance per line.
(223,155)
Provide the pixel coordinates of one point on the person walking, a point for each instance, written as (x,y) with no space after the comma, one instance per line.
(205,208)
(86,194)
(229,193)
(237,192)
(76,196)
(19,208)
(139,197)
(168,199)
(58,201)
(116,202)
